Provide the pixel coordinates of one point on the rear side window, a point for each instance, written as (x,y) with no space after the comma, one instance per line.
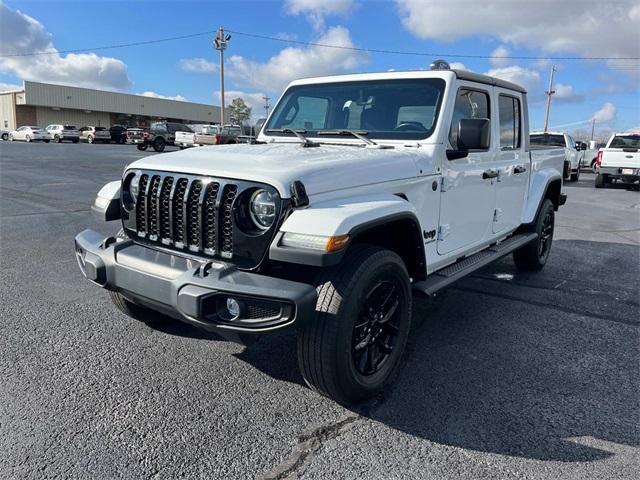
(469,104)
(547,140)
(509,116)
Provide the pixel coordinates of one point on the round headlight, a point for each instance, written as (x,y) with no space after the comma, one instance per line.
(134,187)
(263,209)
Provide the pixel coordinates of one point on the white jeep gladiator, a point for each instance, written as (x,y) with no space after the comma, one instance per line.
(619,160)
(362,191)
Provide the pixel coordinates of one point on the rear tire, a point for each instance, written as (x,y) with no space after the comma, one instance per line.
(601,180)
(27,139)
(159,144)
(89,139)
(57,139)
(353,348)
(533,256)
(575,176)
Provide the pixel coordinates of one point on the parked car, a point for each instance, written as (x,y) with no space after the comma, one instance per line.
(59,133)
(591,153)
(134,134)
(573,153)
(363,190)
(619,160)
(118,134)
(159,135)
(30,134)
(209,135)
(92,134)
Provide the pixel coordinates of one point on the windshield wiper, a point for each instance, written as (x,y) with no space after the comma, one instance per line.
(359,134)
(298,133)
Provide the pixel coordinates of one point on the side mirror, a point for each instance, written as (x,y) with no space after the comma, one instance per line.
(474,134)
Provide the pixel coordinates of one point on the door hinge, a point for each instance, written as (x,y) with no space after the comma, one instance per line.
(444,231)
(444,184)
(497,214)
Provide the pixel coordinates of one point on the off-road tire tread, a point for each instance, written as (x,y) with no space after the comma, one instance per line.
(526,257)
(316,340)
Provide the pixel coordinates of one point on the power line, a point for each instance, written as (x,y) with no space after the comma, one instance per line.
(312,44)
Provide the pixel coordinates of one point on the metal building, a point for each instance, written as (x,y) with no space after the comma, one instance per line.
(44,104)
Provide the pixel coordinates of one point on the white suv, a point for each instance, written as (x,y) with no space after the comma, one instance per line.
(59,133)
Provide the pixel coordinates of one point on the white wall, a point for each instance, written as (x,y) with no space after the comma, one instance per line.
(7,112)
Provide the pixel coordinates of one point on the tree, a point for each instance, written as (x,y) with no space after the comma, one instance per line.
(239,111)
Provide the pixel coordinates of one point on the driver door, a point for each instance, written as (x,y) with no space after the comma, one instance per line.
(468,191)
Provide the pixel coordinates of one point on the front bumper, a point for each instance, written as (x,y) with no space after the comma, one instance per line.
(194,291)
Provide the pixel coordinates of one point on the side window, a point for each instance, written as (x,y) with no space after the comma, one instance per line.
(469,104)
(509,116)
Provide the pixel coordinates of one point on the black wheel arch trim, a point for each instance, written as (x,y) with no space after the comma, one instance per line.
(322,259)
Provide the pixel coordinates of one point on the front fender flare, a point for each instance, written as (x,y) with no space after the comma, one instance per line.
(107,202)
(346,216)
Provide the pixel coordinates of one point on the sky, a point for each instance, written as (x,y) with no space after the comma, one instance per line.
(456,30)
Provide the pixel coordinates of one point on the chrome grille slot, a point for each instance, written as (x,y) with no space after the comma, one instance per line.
(178,212)
(165,210)
(226,224)
(141,206)
(209,218)
(153,207)
(194,216)
(200,216)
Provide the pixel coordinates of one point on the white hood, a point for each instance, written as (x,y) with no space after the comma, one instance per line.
(321,169)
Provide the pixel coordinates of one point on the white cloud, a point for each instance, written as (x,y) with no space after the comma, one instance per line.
(291,63)
(458,66)
(198,65)
(606,113)
(527,78)
(22,33)
(497,57)
(5,87)
(586,28)
(566,93)
(317,10)
(151,94)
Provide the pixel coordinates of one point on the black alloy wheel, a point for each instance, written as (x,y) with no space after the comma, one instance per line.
(375,331)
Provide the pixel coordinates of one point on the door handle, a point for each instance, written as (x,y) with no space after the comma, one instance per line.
(519,169)
(489,174)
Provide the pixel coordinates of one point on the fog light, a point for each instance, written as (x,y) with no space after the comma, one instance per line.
(233,307)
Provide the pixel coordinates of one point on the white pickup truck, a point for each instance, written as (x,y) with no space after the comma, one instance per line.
(208,135)
(362,191)
(619,160)
(574,154)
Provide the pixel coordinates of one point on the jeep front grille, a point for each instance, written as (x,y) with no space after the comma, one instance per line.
(186,213)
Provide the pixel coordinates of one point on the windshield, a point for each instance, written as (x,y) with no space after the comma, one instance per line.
(384,109)
(547,140)
(625,141)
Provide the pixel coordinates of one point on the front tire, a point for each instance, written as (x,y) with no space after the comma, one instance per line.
(142,147)
(27,139)
(5,136)
(575,176)
(354,346)
(601,180)
(533,256)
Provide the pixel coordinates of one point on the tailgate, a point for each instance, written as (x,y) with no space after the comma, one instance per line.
(622,158)
(184,137)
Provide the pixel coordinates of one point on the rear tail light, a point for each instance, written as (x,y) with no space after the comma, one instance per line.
(599,158)
(145,134)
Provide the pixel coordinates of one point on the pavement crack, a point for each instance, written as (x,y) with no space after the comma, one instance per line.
(309,442)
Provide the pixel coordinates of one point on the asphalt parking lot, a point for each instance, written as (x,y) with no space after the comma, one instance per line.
(507,375)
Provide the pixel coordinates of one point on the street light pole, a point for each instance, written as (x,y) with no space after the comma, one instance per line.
(549,92)
(220,43)
(593,127)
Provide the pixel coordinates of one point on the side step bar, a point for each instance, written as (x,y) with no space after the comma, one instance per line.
(442,278)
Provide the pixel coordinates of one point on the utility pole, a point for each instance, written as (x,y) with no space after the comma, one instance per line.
(593,127)
(266,105)
(220,44)
(549,92)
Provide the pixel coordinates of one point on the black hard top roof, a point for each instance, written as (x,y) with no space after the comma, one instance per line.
(487,80)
